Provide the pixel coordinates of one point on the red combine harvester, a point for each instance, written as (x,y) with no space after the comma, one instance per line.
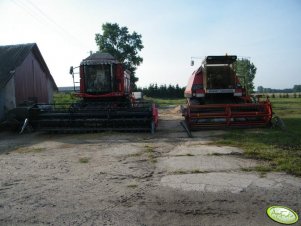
(106,103)
(216,98)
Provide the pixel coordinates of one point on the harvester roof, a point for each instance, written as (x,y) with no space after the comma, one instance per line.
(99,58)
(220,59)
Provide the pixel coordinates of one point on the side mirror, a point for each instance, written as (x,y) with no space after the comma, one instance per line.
(191,63)
(71,70)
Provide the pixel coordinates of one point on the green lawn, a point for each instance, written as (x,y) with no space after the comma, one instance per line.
(287,107)
(166,102)
(64,99)
(281,148)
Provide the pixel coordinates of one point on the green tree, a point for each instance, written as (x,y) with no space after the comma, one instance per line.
(247,70)
(260,89)
(297,88)
(122,45)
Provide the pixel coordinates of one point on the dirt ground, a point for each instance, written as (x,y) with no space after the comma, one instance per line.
(136,179)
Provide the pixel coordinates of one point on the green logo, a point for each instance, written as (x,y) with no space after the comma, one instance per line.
(282,214)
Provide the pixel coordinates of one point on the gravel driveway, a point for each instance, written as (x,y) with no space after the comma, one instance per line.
(135,179)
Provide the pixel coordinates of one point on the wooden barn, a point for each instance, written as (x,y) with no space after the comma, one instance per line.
(24,76)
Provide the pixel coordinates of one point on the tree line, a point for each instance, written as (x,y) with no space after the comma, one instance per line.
(163,91)
(285,95)
(295,89)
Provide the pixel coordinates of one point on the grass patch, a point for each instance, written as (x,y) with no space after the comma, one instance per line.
(287,107)
(263,169)
(215,154)
(188,154)
(83,160)
(132,185)
(138,154)
(223,154)
(180,172)
(281,148)
(166,102)
(149,148)
(30,150)
(150,153)
(153,160)
(64,100)
(195,171)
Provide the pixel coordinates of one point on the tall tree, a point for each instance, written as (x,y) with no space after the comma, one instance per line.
(122,45)
(260,89)
(297,88)
(247,70)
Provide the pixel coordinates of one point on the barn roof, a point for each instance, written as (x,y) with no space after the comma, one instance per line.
(12,56)
(99,58)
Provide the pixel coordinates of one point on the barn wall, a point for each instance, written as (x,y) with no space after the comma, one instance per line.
(10,99)
(7,98)
(31,82)
(1,104)
(50,90)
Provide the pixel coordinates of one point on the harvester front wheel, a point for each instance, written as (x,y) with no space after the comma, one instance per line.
(278,122)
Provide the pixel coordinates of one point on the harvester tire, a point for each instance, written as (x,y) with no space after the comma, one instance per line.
(278,122)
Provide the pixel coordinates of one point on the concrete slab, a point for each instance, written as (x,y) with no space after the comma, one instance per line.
(196,148)
(203,163)
(118,150)
(234,182)
(279,180)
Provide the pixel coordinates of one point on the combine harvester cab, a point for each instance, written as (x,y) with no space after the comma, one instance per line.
(105,103)
(216,98)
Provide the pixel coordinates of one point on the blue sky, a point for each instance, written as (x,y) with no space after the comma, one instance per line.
(173,31)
